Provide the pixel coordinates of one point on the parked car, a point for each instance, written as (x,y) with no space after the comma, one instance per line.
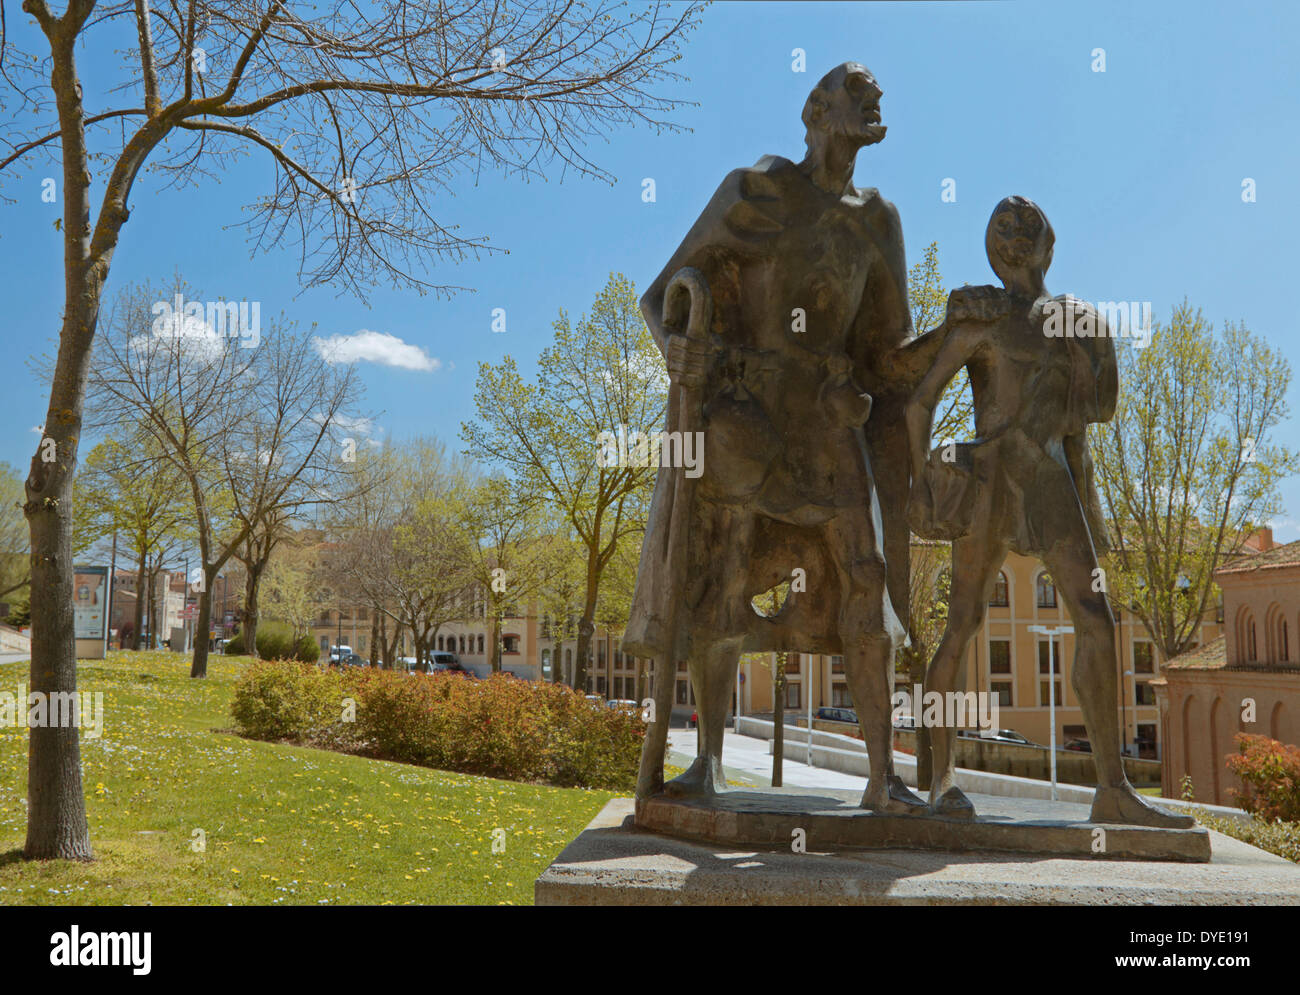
(354,660)
(595,699)
(838,715)
(997,736)
(1009,736)
(905,722)
(622,705)
(1079,746)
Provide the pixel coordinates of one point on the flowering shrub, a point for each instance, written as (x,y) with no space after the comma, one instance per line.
(283,699)
(1271,772)
(499,727)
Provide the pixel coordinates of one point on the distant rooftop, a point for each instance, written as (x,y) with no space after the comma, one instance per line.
(1285,555)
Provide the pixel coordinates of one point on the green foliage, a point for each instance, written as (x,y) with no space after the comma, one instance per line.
(599,374)
(276,641)
(288,701)
(1186,468)
(20,616)
(1281,838)
(499,727)
(1271,773)
(954,414)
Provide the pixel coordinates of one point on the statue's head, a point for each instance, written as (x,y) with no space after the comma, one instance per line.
(845,103)
(1019,237)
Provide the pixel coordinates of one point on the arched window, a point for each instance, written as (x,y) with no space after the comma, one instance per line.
(1252,646)
(441,643)
(1001,597)
(480,644)
(1283,643)
(1046,591)
(462,644)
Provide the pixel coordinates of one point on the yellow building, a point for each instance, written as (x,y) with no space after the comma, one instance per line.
(1007,659)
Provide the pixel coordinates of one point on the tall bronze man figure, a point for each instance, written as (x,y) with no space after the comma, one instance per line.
(805,453)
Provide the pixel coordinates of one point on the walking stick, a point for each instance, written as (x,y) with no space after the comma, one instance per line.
(687,299)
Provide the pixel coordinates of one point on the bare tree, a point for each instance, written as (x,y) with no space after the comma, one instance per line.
(254,432)
(363,111)
(403,547)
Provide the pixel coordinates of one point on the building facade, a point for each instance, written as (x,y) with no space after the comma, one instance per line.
(1248,680)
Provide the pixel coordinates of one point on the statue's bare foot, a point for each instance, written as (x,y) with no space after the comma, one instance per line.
(1125,807)
(892,797)
(700,779)
(953,804)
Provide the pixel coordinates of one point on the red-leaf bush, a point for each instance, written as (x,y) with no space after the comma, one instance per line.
(1271,773)
(499,727)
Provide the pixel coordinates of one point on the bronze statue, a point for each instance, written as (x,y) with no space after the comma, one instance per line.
(796,289)
(1025,483)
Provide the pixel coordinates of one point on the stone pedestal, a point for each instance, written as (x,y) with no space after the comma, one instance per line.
(830,820)
(613,862)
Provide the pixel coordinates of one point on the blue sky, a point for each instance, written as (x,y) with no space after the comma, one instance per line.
(1139,169)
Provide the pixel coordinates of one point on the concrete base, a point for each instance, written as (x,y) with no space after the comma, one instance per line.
(831,820)
(614,863)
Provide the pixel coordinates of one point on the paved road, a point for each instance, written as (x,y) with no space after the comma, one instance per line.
(746,760)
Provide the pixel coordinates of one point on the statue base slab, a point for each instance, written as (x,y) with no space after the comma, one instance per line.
(615,862)
(831,820)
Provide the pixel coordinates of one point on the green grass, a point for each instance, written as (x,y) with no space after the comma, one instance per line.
(283,825)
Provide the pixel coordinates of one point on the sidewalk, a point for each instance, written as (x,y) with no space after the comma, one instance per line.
(746,760)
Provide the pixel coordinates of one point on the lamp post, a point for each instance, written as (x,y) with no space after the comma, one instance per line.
(1051,632)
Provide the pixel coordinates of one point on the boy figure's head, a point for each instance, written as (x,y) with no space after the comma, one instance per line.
(1018,242)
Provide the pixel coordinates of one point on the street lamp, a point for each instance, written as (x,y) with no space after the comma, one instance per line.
(1051,632)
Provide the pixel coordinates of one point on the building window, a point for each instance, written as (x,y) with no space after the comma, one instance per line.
(682,691)
(1284,649)
(1253,654)
(1043,693)
(1143,693)
(792,665)
(510,644)
(1046,591)
(480,644)
(999,656)
(1047,658)
(600,685)
(840,696)
(1001,597)
(441,645)
(837,665)
(1003,690)
(1144,658)
(792,696)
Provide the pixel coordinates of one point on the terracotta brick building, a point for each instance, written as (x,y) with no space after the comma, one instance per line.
(1247,680)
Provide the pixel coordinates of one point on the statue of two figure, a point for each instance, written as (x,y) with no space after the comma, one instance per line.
(784,320)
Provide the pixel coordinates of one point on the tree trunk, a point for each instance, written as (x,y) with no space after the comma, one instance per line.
(199,668)
(916,674)
(251,583)
(494,633)
(56,805)
(374,637)
(139,604)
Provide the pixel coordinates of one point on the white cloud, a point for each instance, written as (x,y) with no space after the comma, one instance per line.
(376,347)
